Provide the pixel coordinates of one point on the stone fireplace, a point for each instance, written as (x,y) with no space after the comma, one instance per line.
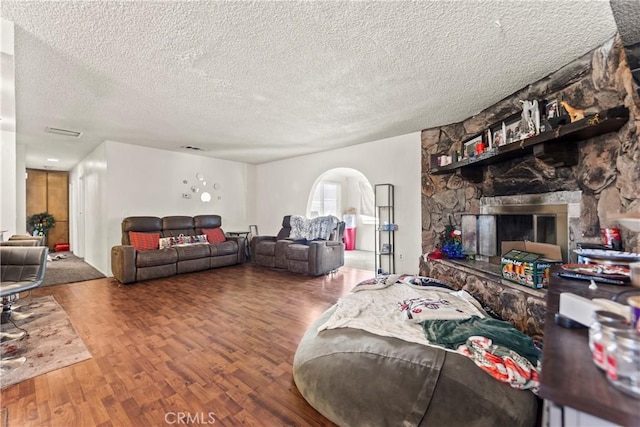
(543,218)
(574,196)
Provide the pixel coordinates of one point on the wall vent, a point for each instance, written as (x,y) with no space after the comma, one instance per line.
(191,147)
(64,132)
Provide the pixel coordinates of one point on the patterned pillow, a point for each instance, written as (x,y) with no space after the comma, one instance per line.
(144,241)
(214,235)
(167,242)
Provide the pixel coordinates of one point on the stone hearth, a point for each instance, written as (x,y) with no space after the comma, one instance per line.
(522,306)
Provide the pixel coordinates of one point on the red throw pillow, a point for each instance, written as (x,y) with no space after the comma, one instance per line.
(144,241)
(214,235)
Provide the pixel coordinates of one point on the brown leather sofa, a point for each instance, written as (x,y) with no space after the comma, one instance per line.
(312,258)
(130,265)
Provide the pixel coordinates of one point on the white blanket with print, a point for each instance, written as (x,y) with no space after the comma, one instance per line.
(380,311)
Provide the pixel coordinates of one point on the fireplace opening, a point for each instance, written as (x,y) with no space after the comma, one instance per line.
(483,234)
(534,228)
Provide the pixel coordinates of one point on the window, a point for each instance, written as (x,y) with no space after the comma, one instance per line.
(367,211)
(326,199)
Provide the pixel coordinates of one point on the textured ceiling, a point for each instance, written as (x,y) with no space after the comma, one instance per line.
(260,81)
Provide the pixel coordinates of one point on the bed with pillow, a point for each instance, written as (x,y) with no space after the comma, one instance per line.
(410,351)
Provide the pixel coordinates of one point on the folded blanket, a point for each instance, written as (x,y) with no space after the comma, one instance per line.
(453,333)
(376,311)
(319,228)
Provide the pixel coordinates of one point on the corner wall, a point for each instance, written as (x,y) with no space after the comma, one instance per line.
(118,180)
(9,172)
(283,187)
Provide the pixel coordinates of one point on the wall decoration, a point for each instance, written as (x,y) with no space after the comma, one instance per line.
(200,184)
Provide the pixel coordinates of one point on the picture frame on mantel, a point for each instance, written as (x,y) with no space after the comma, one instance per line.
(552,109)
(512,131)
(469,147)
(498,132)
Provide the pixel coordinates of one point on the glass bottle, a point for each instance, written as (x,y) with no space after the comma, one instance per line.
(602,338)
(600,316)
(623,362)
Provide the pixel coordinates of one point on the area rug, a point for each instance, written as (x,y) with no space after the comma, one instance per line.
(52,342)
(65,267)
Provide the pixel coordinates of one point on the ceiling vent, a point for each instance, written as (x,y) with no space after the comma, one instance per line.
(191,147)
(64,132)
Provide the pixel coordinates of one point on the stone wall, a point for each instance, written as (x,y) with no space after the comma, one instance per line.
(525,308)
(607,174)
(608,168)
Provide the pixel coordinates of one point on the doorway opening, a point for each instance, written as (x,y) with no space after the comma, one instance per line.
(347,194)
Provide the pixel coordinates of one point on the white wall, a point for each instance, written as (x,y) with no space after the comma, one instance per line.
(88,209)
(118,180)
(21,189)
(283,187)
(8,155)
(8,195)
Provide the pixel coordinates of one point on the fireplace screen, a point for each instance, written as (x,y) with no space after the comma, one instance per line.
(484,234)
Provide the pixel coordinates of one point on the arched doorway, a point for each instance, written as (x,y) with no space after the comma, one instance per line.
(347,194)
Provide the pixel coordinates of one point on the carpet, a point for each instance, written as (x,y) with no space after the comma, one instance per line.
(363,260)
(65,267)
(52,342)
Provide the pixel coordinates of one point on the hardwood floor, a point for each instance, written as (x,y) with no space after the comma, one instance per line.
(215,346)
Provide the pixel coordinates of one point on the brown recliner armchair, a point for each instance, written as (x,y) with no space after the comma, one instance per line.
(312,258)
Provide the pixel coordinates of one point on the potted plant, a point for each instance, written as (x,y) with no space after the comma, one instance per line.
(40,223)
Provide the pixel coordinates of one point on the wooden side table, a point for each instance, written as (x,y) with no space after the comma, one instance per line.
(244,234)
(569,377)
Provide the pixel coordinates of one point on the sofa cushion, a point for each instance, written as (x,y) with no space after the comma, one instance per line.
(156,257)
(229,247)
(266,248)
(286,228)
(167,242)
(144,241)
(192,251)
(140,224)
(206,221)
(214,235)
(297,252)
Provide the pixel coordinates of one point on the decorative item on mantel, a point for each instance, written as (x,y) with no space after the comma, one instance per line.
(530,121)
(576,114)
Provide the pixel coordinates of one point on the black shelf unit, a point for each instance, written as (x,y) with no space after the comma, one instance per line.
(385,243)
(557,147)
